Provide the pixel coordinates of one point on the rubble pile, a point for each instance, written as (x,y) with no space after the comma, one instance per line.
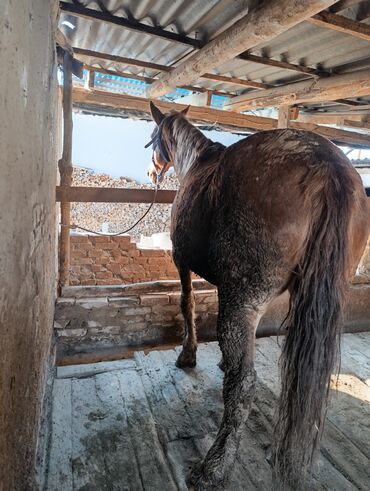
(119,216)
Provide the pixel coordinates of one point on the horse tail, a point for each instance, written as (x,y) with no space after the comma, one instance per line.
(314,322)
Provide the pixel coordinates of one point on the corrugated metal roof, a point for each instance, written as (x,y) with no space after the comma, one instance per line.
(304,44)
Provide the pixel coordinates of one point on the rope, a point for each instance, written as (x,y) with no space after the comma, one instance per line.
(73,226)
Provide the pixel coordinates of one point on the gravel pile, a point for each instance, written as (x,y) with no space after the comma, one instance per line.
(119,216)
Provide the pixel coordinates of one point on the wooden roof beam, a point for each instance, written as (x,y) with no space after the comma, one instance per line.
(235,121)
(261,24)
(321,90)
(341,24)
(263,60)
(163,68)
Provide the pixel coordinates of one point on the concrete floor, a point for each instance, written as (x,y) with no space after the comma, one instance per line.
(140,424)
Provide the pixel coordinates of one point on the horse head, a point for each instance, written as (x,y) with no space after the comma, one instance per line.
(162,142)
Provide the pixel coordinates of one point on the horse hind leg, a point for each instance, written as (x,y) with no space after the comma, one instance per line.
(187,357)
(237,323)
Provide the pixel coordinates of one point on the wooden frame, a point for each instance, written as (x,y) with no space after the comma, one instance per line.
(228,119)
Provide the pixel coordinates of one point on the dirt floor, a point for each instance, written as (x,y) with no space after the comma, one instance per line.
(140,424)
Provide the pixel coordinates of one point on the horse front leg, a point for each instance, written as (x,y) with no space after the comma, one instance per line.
(187,357)
(237,324)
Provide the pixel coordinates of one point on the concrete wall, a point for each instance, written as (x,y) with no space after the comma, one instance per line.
(27,219)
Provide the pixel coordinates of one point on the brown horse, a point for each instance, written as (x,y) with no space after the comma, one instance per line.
(279,210)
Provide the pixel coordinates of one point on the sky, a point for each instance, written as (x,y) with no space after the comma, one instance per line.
(115,146)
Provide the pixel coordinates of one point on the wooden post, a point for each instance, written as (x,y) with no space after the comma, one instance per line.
(90,80)
(65,169)
(284,116)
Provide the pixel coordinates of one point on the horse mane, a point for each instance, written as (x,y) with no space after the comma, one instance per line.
(192,147)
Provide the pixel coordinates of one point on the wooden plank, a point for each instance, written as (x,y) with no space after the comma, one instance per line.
(337,448)
(87,455)
(323,89)
(60,457)
(113,195)
(207,115)
(91,369)
(121,465)
(149,451)
(341,24)
(261,24)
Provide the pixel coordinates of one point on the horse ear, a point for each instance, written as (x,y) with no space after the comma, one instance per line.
(185,111)
(157,115)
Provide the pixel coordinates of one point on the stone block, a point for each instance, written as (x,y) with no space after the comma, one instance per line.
(155,299)
(165,309)
(123,301)
(139,310)
(175,298)
(72,333)
(105,330)
(92,303)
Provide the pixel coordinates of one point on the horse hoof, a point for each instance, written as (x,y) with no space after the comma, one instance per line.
(186,360)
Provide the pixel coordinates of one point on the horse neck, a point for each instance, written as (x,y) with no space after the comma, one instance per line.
(190,144)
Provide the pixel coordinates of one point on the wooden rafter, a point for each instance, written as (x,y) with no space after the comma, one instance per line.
(261,24)
(341,24)
(326,89)
(87,13)
(263,60)
(150,80)
(163,68)
(236,121)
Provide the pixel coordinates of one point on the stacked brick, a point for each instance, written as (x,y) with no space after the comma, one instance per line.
(107,260)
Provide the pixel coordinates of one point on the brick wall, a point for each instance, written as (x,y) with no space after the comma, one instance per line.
(107,260)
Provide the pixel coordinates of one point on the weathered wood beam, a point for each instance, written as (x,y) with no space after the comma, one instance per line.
(343,5)
(163,68)
(283,117)
(341,24)
(328,118)
(263,60)
(364,125)
(261,24)
(90,79)
(81,194)
(134,25)
(65,169)
(325,89)
(206,115)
